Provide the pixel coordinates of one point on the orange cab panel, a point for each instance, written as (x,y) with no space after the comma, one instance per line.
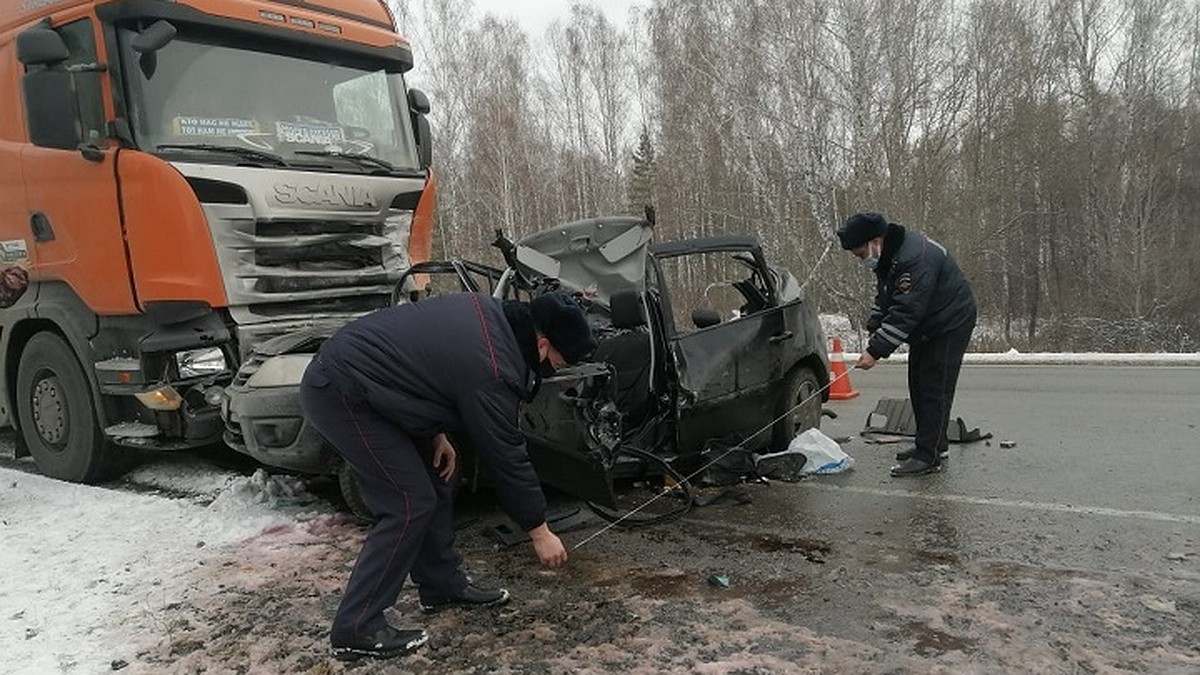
(170,247)
(74,225)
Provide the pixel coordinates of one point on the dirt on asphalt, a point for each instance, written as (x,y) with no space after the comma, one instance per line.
(802,599)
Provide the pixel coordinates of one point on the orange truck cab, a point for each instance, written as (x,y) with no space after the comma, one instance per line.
(181,180)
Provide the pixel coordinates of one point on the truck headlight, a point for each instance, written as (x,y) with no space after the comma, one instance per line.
(200,362)
(285,370)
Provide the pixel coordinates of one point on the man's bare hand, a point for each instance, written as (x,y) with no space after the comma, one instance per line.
(445,459)
(865,361)
(549,548)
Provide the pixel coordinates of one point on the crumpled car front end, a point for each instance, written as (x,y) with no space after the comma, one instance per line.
(262,413)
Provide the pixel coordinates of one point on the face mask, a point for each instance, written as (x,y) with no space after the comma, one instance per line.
(872,260)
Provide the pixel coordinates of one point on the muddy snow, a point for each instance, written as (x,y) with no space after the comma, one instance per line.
(205,571)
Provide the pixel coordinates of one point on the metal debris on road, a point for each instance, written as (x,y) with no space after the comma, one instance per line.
(719,581)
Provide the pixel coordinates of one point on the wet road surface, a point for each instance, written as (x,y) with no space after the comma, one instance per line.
(1076,551)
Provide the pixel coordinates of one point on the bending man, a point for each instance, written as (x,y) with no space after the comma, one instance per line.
(383,391)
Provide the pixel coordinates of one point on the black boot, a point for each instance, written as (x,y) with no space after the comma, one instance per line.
(384,644)
(470,596)
(915,467)
(912,452)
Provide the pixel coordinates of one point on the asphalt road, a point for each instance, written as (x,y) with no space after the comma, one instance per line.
(1106,466)
(1076,550)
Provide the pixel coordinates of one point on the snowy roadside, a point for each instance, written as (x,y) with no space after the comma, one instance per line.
(1013,357)
(90,570)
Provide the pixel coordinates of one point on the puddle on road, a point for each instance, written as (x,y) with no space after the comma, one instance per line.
(671,584)
(812,551)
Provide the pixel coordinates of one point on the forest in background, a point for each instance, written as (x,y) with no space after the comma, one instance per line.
(1051,145)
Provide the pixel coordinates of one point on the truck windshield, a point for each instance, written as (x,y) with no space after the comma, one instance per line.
(199,93)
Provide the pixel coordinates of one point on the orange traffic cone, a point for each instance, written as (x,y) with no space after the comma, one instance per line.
(840,390)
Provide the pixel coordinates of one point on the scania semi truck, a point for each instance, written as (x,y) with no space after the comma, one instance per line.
(181,180)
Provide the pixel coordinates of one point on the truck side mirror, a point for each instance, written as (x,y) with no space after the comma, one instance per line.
(418,102)
(418,105)
(153,38)
(424,142)
(51,107)
(148,42)
(41,46)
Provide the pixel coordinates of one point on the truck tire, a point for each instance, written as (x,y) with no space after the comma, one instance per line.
(802,385)
(58,420)
(348,484)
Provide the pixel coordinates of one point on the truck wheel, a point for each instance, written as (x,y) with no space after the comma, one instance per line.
(58,421)
(348,483)
(802,386)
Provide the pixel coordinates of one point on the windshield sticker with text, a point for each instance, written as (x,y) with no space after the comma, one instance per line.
(290,132)
(212,126)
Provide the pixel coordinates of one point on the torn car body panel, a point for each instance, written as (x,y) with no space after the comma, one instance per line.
(658,382)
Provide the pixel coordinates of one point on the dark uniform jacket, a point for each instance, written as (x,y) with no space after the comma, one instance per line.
(451,363)
(920,293)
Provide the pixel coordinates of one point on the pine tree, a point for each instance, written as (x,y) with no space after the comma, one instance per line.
(642,181)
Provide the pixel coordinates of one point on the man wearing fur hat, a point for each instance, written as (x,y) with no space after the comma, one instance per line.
(923,299)
(383,391)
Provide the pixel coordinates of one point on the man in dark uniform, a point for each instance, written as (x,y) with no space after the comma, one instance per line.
(384,390)
(923,299)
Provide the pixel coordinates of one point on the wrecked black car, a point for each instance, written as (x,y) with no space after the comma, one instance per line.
(699,341)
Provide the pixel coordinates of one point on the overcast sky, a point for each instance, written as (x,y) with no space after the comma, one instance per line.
(536,15)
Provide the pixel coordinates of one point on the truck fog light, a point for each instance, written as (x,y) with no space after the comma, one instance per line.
(163,398)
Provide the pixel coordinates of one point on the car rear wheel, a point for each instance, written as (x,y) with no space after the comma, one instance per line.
(58,421)
(348,484)
(799,408)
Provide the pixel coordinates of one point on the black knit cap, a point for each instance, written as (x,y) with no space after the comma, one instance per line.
(562,320)
(861,228)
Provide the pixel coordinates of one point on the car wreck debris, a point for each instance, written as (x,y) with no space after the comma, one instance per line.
(675,367)
(893,421)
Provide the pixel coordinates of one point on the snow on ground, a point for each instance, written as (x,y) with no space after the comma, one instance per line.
(1013,357)
(88,570)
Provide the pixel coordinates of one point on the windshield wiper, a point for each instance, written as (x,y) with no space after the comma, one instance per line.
(248,153)
(365,159)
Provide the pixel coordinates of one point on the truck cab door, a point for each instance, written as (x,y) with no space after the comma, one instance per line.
(72,218)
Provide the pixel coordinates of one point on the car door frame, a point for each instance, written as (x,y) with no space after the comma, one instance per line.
(728,377)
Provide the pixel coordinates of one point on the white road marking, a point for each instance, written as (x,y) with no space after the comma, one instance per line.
(1015,504)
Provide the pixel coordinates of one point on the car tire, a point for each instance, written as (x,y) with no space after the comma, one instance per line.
(803,385)
(58,420)
(348,484)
